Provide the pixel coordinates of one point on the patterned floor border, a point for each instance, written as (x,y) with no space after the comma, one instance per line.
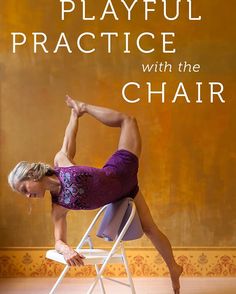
(143,262)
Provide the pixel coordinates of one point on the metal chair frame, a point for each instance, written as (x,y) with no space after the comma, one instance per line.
(99,257)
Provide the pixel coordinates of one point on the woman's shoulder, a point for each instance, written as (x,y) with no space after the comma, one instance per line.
(61,159)
(56,166)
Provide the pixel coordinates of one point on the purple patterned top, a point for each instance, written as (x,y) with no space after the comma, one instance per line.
(84,187)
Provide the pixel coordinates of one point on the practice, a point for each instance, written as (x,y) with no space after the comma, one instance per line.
(39,40)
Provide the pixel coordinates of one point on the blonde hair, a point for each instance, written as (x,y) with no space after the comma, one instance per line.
(26,171)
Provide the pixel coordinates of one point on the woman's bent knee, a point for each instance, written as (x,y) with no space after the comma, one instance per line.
(129,120)
(130,137)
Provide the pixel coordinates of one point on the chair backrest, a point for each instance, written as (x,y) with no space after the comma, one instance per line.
(116,216)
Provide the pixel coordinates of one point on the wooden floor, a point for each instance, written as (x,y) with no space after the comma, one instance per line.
(142,286)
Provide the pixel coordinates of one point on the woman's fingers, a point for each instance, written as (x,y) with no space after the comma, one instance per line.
(80,261)
(71,262)
(73,258)
(75,261)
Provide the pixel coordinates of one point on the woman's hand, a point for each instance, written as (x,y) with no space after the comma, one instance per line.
(73,258)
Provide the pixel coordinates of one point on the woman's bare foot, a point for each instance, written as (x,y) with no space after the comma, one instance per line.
(77,106)
(175,274)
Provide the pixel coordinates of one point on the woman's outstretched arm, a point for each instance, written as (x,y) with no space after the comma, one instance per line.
(69,142)
(67,153)
(59,219)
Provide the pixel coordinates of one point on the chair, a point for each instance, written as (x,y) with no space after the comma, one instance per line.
(128,227)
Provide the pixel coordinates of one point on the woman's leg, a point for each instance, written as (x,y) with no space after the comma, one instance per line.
(159,240)
(129,136)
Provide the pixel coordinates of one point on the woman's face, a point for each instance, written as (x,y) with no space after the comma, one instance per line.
(31,188)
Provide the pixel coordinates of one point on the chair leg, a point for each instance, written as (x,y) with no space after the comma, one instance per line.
(90,242)
(127,270)
(59,279)
(100,280)
(99,274)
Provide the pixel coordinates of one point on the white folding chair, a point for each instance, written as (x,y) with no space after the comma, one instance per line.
(99,257)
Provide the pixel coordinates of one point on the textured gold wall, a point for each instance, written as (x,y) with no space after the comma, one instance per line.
(187,169)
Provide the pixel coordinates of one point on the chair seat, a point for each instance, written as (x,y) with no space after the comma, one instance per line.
(92,256)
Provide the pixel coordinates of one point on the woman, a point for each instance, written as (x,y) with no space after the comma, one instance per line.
(79,187)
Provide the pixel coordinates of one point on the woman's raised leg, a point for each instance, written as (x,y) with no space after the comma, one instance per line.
(129,136)
(159,240)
